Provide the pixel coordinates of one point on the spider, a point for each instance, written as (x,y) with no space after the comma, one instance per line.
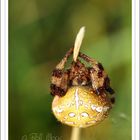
(80,75)
(83,95)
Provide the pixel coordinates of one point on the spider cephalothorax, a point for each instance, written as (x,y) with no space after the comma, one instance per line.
(83,96)
(80,75)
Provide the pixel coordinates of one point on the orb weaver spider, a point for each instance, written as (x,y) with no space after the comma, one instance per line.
(83,95)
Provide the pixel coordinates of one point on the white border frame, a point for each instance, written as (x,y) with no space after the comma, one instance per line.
(135,70)
(4,69)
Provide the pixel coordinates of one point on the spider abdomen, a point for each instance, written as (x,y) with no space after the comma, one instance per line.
(81,107)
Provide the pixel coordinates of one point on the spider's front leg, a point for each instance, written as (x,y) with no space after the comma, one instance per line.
(59,83)
(99,79)
(59,80)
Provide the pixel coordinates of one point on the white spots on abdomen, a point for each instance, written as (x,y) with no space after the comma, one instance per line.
(58,110)
(81,102)
(93,107)
(84,114)
(86,106)
(69,122)
(71,114)
(99,109)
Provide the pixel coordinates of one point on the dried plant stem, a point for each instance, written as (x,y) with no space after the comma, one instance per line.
(75,134)
(78,42)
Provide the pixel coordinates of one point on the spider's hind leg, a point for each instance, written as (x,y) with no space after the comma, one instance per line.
(59,80)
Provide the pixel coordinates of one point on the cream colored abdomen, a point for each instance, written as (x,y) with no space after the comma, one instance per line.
(80,107)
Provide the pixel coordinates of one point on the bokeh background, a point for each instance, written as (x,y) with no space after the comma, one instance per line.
(40,33)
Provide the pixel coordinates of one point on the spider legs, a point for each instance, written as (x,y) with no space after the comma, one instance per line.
(59,77)
(99,79)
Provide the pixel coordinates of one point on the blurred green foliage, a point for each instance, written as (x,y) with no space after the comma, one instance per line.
(40,33)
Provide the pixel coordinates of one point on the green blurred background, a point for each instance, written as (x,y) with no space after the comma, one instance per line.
(40,33)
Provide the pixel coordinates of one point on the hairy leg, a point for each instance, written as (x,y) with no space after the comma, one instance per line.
(99,78)
(59,78)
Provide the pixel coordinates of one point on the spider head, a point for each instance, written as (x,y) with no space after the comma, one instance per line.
(78,74)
